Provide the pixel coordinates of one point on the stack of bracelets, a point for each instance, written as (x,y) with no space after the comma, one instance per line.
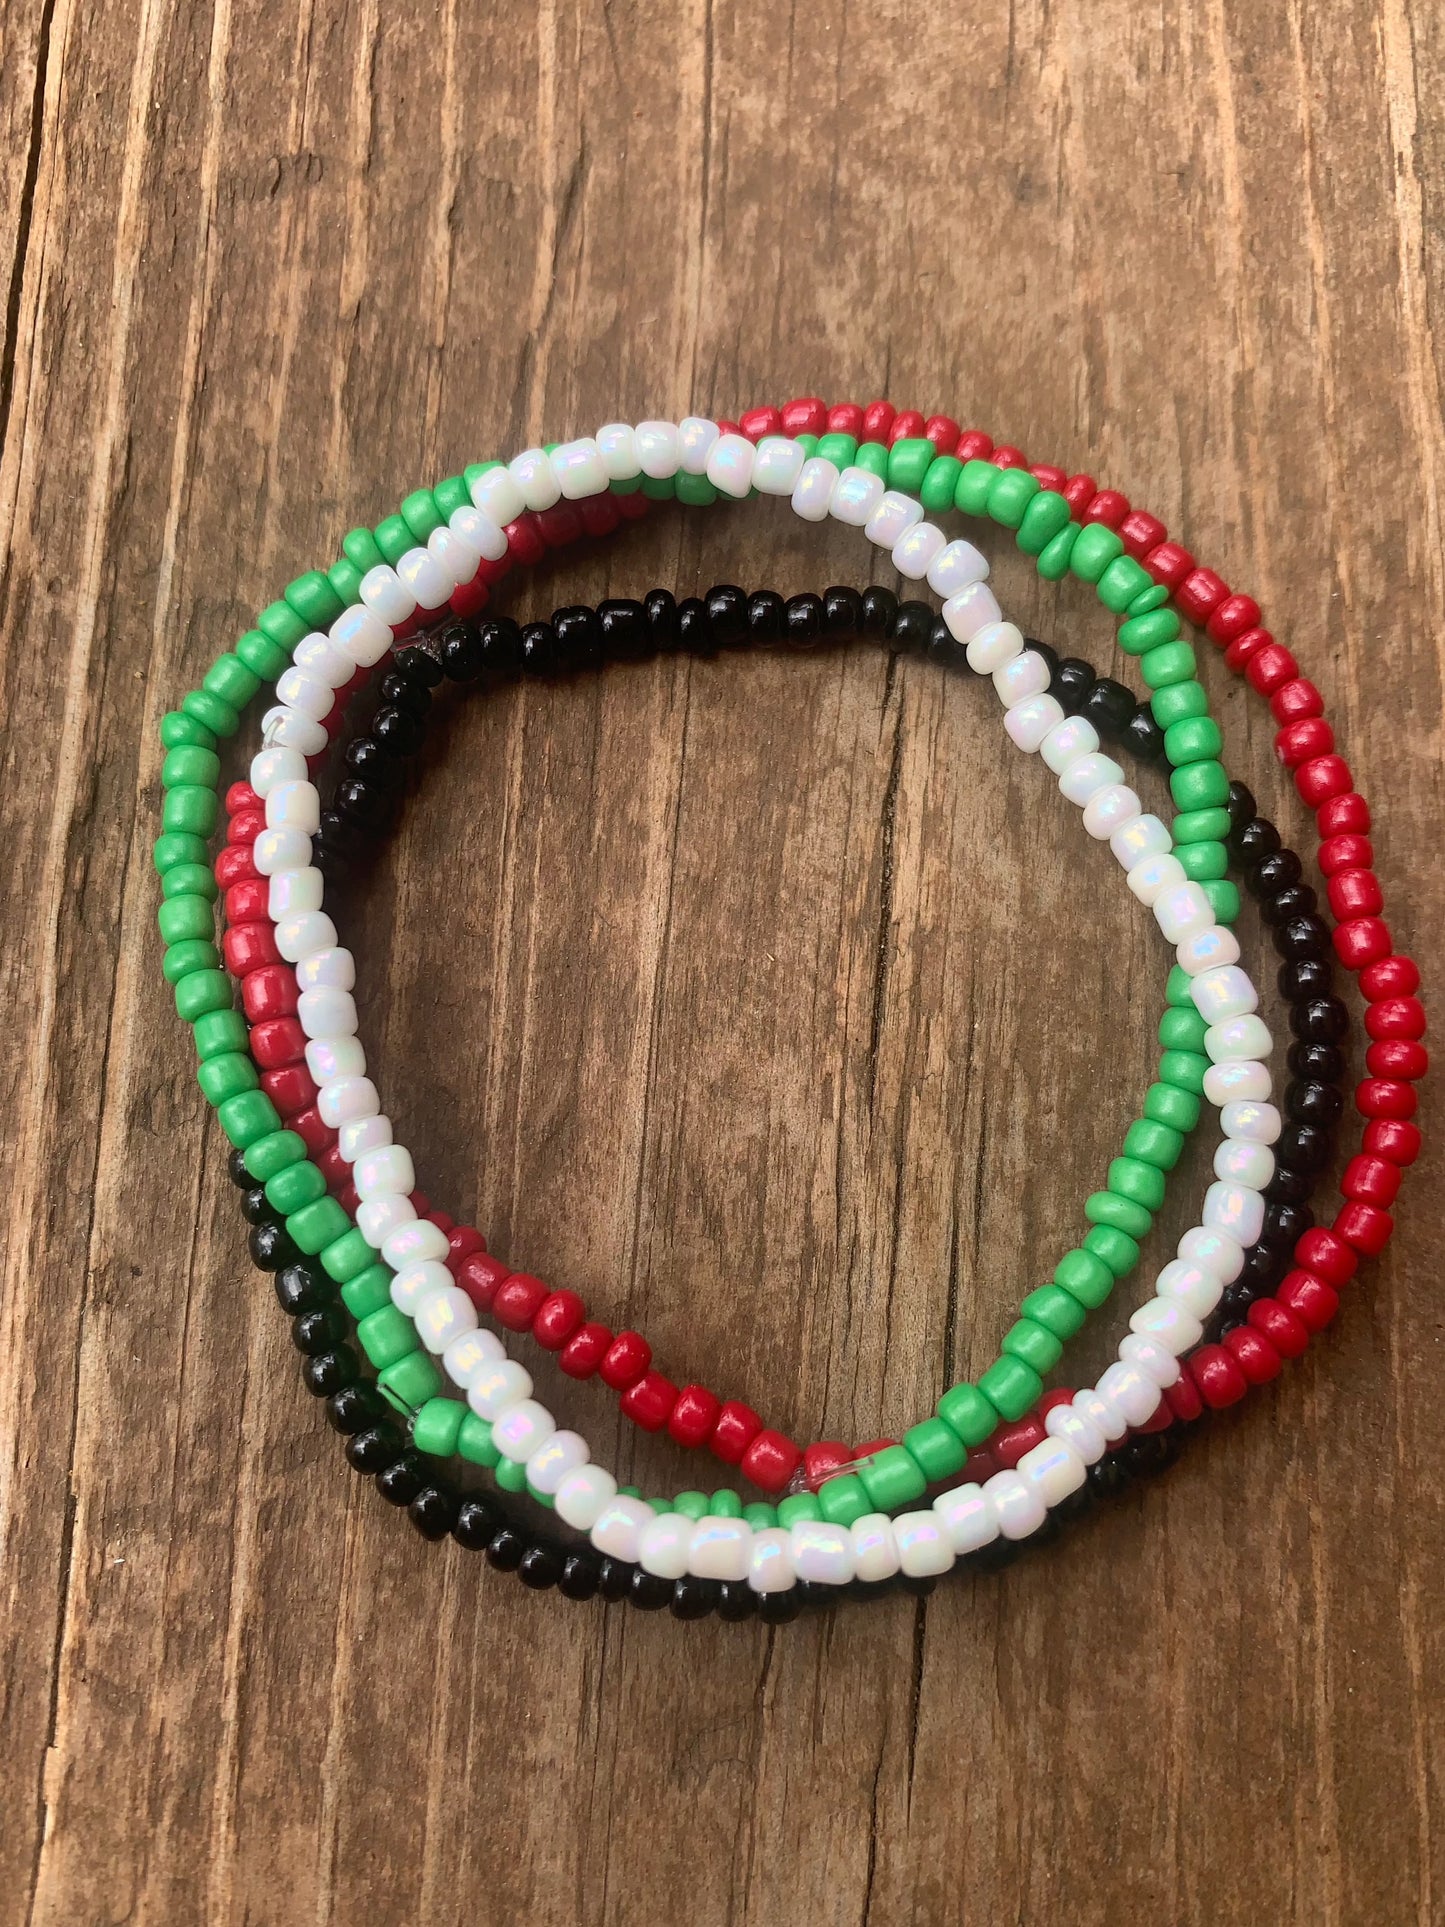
(387,1295)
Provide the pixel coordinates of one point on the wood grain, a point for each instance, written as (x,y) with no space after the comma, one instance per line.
(743,996)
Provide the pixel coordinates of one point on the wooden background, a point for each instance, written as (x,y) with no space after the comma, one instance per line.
(746,997)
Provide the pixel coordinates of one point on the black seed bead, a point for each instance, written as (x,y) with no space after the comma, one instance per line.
(1279,871)
(365,803)
(500,642)
(1241,806)
(1305,977)
(579,1576)
(879,606)
(1312,1101)
(912,625)
(341,834)
(1000,1553)
(693,633)
(1324,1063)
(1253,841)
(332,865)
(625,636)
(419,666)
(301,1288)
(1286,1222)
(1289,1187)
(506,1549)
(727,614)
(1234,1303)
(614,1578)
(461,650)
(433,1512)
(779,1608)
(374,1449)
(1305,939)
(319,1331)
(477,1523)
(539,649)
(1264,1266)
(405,693)
(1323,1020)
(1289,906)
(1071,683)
(842,612)
(694,1598)
(1110,707)
(257,1208)
(1144,736)
(1074,1505)
(1150,1453)
(354,1407)
(766,616)
(272,1246)
(803,620)
(813,1592)
(943,646)
(1305,1147)
(374,763)
(736,1600)
(330,1371)
(648,1592)
(1049,654)
(236,1170)
(579,638)
(398,730)
(920,1588)
(1109,1477)
(660,612)
(399,1482)
(541,1566)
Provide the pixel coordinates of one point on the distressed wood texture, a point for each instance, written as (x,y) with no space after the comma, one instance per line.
(771,1002)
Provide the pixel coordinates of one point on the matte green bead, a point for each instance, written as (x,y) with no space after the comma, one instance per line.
(965,1410)
(1156,630)
(1197,786)
(317,1225)
(347,1256)
(1201,862)
(174,847)
(1117,1249)
(843,1501)
(936,489)
(420,513)
(280,622)
(1184,1068)
(1150,599)
(1201,826)
(180,731)
(760,1515)
(189,880)
(192,809)
(1195,740)
(1142,1183)
(1009,495)
(725,1504)
(227,1076)
(694,490)
(230,679)
(892,1477)
(543,1499)
(1170,662)
(1095,549)
(213,711)
(219,1030)
(873,457)
(410,1382)
(909,460)
(312,598)
(474,471)
(275,1152)
(1052,561)
(1182,1029)
(970,495)
(1153,1143)
(247,1117)
(1012,1386)
(451,494)
(1168,1104)
(625,484)
(434,1429)
(474,1441)
(838,449)
(808,444)
(190,955)
(511,1476)
(1177,701)
(1035,1344)
(298,1185)
(261,655)
(346,579)
(359,546)
(191,768)
(1107,1207)
(367,1292)
(1045,515)
(1121,582)
(393,538)
(1223,895)
(1085,1276)
(659,488)
(936,1447)
(797,1508)
(201,993)
(181,918)
(1056,1310)
(692,1505)
(1178,992)
(386,1336)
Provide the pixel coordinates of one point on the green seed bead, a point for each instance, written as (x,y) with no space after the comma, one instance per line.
(217,1031)
(694,490)
(1182,1029)
(760,1515)
(420,513)
(1202,862)
(725,1504)
(1167,1104)
(280,622)
(247,1117)
(1085,1276)
(189,880)
(434,1429)
(1223,898)
(1154,597)
(1201,826)
(1139,1182)
(1177,701)
(1045,516)
(1195,740)
(367,1292)
(386,1336)
(1178,992)
(692,1505)
(1197,786)
(1153,1143)
(1171,662)
(265,658)
(1108,1208)
(347,1256)
(275,1152)
(843,1501)
(1052,561)
(451,494)
(1184,1069)
(180,919)
(970,496)
(175,847)
(1095,549)
(808,444)
(838,449)
(217,715)
(659,488)
(227,1076)
(935,491)
(474,1442)
(892,1477)
(798,1508)
(965,1410)
(1035,1344)
(474,471)
(543,1499)
(191,808)
(935,1446)
(625,484)
(873,457)
(312,598)
(1117,1249)
(410,1382)
(180,731)
(346,579)
(909,461)
(511,1476)
(317,1225)
(185,958)
(1009,495)
(1121,582)
(298,1185)
(230,679)
(359,546)
(201,993)
(1056,1310)
(393,538)
(1156,630)
(1012,1386)
(191,769)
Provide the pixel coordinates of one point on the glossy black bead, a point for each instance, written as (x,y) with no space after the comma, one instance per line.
(842,612)
(765,617)
(418,665)
(1241,806)
(1289,906)
(1000,1553)
(1109,1477)
(579,1576)
(329,1371)
(803,620)
(364,802)
(399,1482)
(779,1608)
(354,1407)
(727,614)
(1073,1506)
(1234,1303)
(433,1512)
(375,1448)
(944,648)
(1253,841)
(693,633)
(1305,977)
(1285,1223)
(374,763)
(322,1330)
(648,1592)
(736,1600)
(1071,683)
(1309,1100)
(340,833)
(912,625)
(236,1170)
(660,612)
(920,1588)
(329,861)
(625,635)
(614,1578)
(1280,871)
(813,1592)
(478,1521)
(405,693)
(541,1566)
(460,647)
(1304,939)
(398,729)
(272,1246)
(1290,1187)
(1324,1062)
(1144,736)
(1321,1020)
(1110,707)
(1046,650)
(694,1598)
(1305,1147)
(539,649)
(1148,1454)
(1264,1266)
(500,642)
(879,607)
(506,1549)
(257,1208)
(579,638)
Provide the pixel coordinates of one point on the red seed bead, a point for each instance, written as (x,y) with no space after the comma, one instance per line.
(907,427)
(1397,1057)
(1343,813)
(1366,1227)
(1355,893)
(291,1088)
(974,446)
(726,427)
(1169,564)
(270,992)
(1007,456)
(240,796)
(443,1223)
(1109,507)
(1390,1137)
(312,1129)
(279,1041)
(1256,1357)
(694,1415)
(1326,1253)
(524,541)
(978,1466)
(1078,492)
(878,418)
(822,1461)
(1242,651)
(599,514)
(1047,477)
(556,1318)
(1200,594)
(1396,1017)
(480,1277)
(649,1402)
(806,415)
(1370,1180)
(1141,532)
(736,1428)
(334,1168)
(871,1447)
(1234,616)
(1284,1329)
(585,1350)
(633,507)
(1295,701)
(470,598)
(771,1460)
(559,525)
(249,946)
(1270,668)
(462,1243)
(1183,1400)
(494,571)
(1010,1442)
(1364,940)
(420,1203)
(235,864)
(1390,977)
(1060,1395)
(1311,1300)
(1323,778)
(943,431)
(1302,742)
(846,418)
(628,1357)
(761,421)
(247,901)
(246,827)
(1159,1420)
(1338,853)
(349,1198)
(1217,1374)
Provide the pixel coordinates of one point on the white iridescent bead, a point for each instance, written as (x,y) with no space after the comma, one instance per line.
(821,1551)
(695,438)
(1207,950)
(291,891)
(856,495)
(550,1462)
(497,1387)
(730,465)
(582,1496)
(1145,836)
(924,1550)
(362,634)
(1182,911)
(617,1524)
(1234,1208)
(1260,1123)
(496,493)
(770,1565)
(662,1545)
(1237,1081)
(895,514)
(1087,775)
(720,1549)
(1076,736)
(617,446)
(1029,723)
(955,568)
(580,469)
(1023,676)
(971,610)
(536,478)
(874,1548)
(1236,1039)
(915,550)
(1016,1504)
(1169,1323)
(442,1316)
(658,449)
(524,1428)
(1239,1161)
(1054,1468)
(1110,809)
(814,487)
(1223,992)
(967,1515)
(414,1283)
(777,465)
(995,644)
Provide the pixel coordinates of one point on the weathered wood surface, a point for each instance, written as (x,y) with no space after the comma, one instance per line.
(745,996)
